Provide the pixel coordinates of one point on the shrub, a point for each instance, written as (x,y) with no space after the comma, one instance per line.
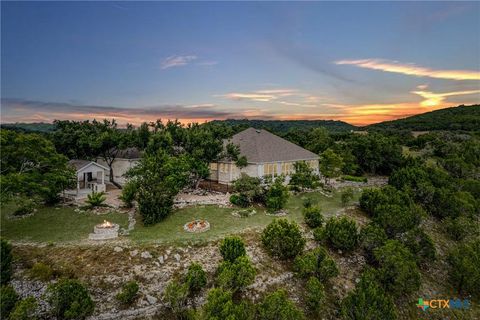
(303,177)
(25,309)
(41,271)
(319,234)
(460,228)
(368,301)
(283,239)
(341,233)
(8,299)
(176,295)
(347,196)
(372,237)
(129,192)
(249,190)
(236,275)
(314,295)
(69,299)
(240,200)
(354,178)
(154,204)
(277,306)
(95,199)
(464,271)
(25,206)
(231,248)
(6,261)
(371,198)
(315,263)
(420,244)
(395,219)
(397,270)
(277,195)
(196,278)
(128,294)
(220,305)
(313,216)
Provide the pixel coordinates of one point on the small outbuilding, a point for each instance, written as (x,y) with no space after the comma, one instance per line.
(90,178)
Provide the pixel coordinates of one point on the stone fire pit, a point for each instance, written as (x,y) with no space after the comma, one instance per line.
(104,231)
(197,226)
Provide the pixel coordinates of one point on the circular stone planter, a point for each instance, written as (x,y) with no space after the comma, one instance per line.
(104,231)
(197,226)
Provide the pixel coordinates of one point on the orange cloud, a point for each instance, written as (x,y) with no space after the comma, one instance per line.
(435,99)
(412,69)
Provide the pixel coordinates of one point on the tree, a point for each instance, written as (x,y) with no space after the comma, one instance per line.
(347,196)
(460,228)
(5,261)
(397,270)
(8,299)
(303,177)
(232,248)
(220,305)
(277,195)
(368,301)
(236,275)
(176,295)
(249,189)
(420,244)
(313,216)
(330,164)
(69,299)
(314,295)
(283,239)
(464,267)
(159,178)
(371,238)
(318,140)
(277,306)
(31,167)
(129,193)
(395,219)
(388,195)
(341,233)
(316,263)
(196,278)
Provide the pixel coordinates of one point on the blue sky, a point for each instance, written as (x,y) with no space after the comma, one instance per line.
(360,62)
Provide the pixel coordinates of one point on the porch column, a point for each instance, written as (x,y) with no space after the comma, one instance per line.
(103,176)
(78,184)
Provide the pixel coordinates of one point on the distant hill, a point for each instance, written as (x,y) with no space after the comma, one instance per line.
(283,126)
(29,127)
(455,118)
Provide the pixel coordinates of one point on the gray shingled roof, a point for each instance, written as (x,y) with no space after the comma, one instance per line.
(78,164)
(129,153)
(262,146)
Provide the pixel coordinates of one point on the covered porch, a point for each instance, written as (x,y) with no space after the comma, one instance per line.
(90,178)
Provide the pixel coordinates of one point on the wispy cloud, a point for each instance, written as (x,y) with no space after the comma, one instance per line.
(412,69)
(260,95)
(432,99)
(177,61)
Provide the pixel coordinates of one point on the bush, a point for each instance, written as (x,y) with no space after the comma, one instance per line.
(372,237)
(395,219)
(41,271)
(341,233)
(368,301)
(128,294)
(176,295)
(277,195)
(129,192)
(95,199)
(315,263)
(397,270)
(236,275)
(313,216)
(277,306)
(240,200)
(69,299)
(248,189)
(283,239)
(347,196)
(314,295)
(154,204)
(303,177)
(196,278)
(8,299)
(231,248)
(371,198)
(25,206)
(464,271)
(420,244)
(460,228)
(220,305)
(25,309)
(6,261)
(354,178)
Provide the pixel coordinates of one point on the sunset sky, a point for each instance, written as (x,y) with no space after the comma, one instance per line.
(139,61)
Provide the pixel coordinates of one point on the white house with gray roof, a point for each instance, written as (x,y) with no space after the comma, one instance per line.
(267,155)
(90,177)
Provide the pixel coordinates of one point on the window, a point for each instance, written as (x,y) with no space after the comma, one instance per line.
(214,166)
(269,169)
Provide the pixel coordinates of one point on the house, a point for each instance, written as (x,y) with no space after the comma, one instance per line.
(90,177)
(267,155)
(125,159)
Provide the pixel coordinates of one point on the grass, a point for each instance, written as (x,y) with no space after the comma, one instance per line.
(53,224)
(223,223)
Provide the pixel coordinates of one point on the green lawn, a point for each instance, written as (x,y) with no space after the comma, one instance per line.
(223,223)
(50,224)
